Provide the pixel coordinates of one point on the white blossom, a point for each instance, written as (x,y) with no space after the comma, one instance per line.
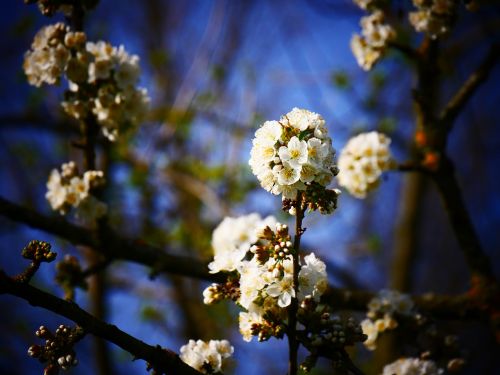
(370,329)
(362,162)
(67,189)
(412,366)
(434,17)
(46,61)
(382,310)
(108,75)
(371,46)
(294,153)
(206,357)
(291,154)
(283,290)
(232,239)
(312,277)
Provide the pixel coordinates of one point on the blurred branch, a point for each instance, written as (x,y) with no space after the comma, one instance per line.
(460,99)
(406,234)
(110,244)
(439,306)
(455,207)
(407,51)
(410,167)
(95,268)
(161,359)
(32,121)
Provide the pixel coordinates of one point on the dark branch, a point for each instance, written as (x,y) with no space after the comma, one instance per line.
(161,359)
(410,167)
(110,244)
(407,51)
(460,99)
(439,306)
(455,207)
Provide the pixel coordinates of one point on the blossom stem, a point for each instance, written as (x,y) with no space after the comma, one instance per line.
(293,343)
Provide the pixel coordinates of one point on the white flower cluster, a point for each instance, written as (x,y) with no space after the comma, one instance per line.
(266,280)
(102,78)
(369,47)
(362,162)
(206,357)
(116,101)
(232,238)
(67,189)
(291,154)
(412,366)
(434,17)
(49,55)
(381,314)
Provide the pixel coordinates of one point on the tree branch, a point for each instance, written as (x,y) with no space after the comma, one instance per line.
(406,50)
(110,244)
(460,99)
(455,207)
(161,359)
(439,306)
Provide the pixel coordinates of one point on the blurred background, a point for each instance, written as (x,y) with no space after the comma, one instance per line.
(215,70)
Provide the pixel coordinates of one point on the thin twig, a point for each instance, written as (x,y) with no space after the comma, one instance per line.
(162,359)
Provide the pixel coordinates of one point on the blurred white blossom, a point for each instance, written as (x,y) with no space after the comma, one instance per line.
(412,366)
(206,357)
(362,162)
(372,44)
(66,189)
(434,17)
(382,313)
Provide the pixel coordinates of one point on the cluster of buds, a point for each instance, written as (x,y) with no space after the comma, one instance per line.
(38,251)
(217,292)
(57,351)
(325,335)
(315,198)
(270,326)
(69,276)
(273,244)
